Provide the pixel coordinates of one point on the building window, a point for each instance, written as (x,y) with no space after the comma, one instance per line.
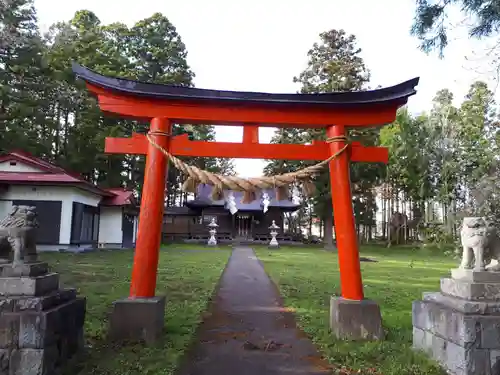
(205,219)
(95,234)
(87,229)
(85,223)
(208,218)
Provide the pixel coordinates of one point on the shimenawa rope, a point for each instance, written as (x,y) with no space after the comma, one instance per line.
(248,185)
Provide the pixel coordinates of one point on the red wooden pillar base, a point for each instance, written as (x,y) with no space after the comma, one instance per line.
(351,316)
(141,316)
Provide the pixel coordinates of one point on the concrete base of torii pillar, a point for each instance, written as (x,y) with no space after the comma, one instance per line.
(355,320)
(137,319)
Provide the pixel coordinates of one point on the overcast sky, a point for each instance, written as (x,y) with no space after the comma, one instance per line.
(259,45)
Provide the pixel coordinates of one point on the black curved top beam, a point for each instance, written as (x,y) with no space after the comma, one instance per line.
(398,93)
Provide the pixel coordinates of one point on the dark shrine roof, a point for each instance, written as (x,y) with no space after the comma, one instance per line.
(397,93)
(203,200)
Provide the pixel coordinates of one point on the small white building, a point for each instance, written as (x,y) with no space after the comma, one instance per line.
(73,214)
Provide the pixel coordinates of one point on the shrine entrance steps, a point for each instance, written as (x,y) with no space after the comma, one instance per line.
(248,331)
(239,241)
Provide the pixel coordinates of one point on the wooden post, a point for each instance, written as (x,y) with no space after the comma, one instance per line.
(147,249)
(250,134)
(345,229)
(233,226)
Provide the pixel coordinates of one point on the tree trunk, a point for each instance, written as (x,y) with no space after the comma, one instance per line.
(328,238)
(384,215)
(389,229)
(310,222)
(66,133)
(454,229)
(405,228)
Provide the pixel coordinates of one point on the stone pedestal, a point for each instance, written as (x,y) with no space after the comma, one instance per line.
(137,319)
(273,244)
(355,320)
(41,326)
(459,327)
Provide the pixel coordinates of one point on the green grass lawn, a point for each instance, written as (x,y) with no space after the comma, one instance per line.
(308,278)
(187,278)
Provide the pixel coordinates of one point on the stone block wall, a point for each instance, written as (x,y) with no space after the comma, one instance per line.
(41,326)
(459,327)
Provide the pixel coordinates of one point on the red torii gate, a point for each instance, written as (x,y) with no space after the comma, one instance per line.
(164,105)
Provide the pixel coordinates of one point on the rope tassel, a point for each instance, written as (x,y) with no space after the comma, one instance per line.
(282,193)
(217,193)
(308,188)
(190,185)
(248,197)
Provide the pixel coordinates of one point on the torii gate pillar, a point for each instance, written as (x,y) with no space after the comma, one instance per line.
(141,316)
(351,316)
(144,269)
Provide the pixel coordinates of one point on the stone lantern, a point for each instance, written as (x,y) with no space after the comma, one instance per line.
(212,241)
(274,243)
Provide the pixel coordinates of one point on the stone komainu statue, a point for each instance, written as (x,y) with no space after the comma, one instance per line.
(480,244)
(17,235)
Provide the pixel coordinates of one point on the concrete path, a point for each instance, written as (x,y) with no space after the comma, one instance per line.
(248,332)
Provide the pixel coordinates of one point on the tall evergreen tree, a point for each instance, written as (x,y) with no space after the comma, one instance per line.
(478,152)
(21,77)
(45,110)
(334,64)
(431,16)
